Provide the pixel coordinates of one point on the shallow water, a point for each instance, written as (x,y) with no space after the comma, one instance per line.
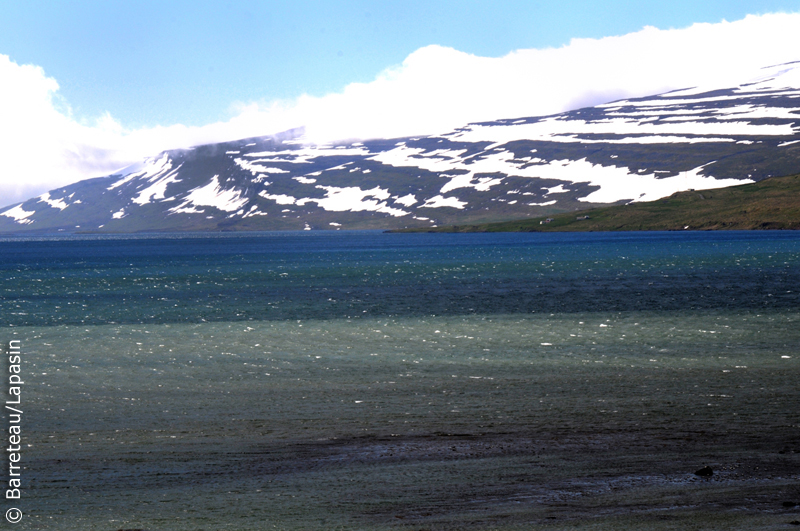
(372,381)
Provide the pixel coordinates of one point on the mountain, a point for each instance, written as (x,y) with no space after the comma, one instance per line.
(769,204)
(626,151)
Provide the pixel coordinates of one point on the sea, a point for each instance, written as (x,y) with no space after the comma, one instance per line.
(369,380)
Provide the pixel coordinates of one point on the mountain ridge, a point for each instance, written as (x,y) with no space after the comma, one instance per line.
(628,151)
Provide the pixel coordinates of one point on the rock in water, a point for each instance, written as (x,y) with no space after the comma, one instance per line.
(705,472)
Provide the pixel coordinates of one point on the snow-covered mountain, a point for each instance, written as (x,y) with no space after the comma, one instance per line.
(630,150)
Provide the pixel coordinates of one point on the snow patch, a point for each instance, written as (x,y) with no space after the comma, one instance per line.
(55,203)
(404,156)
(481,184)
(308,153)
(255,168)
(645,139)
(281,199)
(153,168)
(354,199)
(187,210)
(213,195)
(620,183)
(406,200)
(156,190)
(441,201)
(615,182)
(254,212)
(19,214)
(558,128)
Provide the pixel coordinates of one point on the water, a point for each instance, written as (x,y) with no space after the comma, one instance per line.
(335,275)
(377,381)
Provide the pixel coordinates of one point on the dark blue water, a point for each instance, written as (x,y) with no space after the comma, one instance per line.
(276,276)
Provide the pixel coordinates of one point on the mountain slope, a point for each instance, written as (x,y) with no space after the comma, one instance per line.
(773,203)
(622,152)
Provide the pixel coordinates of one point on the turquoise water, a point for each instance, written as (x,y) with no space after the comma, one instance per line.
(377,381)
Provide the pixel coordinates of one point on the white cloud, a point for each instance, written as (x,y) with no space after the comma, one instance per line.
(436,89)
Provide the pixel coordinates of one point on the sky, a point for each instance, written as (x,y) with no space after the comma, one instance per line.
(88,87)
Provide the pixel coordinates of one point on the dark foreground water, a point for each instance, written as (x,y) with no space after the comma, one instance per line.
(409,381)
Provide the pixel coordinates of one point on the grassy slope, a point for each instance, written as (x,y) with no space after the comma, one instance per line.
(769,204)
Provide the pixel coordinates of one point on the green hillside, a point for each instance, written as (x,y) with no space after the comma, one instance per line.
(769,204)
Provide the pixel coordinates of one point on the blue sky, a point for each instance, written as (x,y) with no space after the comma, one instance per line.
(88,87)
(158,63)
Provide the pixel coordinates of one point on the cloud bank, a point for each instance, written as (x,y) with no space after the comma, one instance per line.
(436,89)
